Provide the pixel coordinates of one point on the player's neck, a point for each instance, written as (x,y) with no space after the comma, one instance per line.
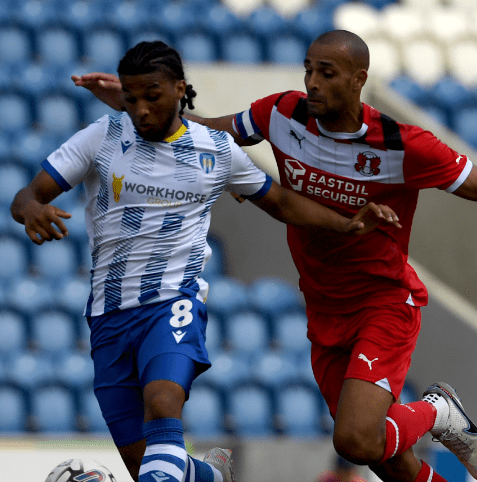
(174,128)
(349,120)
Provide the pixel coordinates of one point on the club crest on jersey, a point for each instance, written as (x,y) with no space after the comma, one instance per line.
(368,164)
(91,476)
(117,186)
(207,162)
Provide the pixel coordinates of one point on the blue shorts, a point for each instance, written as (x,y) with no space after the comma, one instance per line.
(130,348)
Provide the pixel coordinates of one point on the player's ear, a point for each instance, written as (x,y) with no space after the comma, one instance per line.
(361,78)
(180,88)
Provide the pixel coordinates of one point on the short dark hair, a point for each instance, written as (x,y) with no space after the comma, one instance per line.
(147,57)
(355,44)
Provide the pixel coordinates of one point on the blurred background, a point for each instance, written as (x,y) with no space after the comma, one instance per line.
(260,397)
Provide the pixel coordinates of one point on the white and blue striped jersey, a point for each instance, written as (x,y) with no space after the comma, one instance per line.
(148,205)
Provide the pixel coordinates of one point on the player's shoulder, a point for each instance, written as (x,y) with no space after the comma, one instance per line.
(285,102)
(199,131)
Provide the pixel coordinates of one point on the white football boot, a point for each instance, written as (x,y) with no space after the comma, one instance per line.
(221,459)
(453,428)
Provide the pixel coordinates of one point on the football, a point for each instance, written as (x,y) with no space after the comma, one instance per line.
(80,470)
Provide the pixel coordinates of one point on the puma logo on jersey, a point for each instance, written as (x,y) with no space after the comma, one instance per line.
(293,134)
(458,159)
(363,357)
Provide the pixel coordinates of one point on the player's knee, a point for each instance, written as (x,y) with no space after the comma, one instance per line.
(359,447)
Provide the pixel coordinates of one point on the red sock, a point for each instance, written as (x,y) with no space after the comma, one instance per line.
(427,474)
(405,425)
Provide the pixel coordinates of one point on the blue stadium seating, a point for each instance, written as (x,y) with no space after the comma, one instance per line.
(30,294)
(13,332)
(95,109)
(272,296)
(53,331)
(79,14)
(104,46)
(91,413)
(272,369)
(53,409)
(13,177)
(16,111)
(286,49)
(312,22)
(56,259)
(38,78)
(299,410)
(242,48)
(465,125)
(29,370)
(214,334)
(59,114)
(250,408)
(127,15)
(203,414)
(58,45)
(221,21)
(228,369)
(72,294)
(36,14)
(265,22)
(409,393)
(226,296)
(16,43)
(75,370)
(247,332)
(290,330)
(14,257)
(14,410)
(197,47)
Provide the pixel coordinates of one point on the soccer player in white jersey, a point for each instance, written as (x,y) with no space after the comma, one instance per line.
(151,178)
(362,298)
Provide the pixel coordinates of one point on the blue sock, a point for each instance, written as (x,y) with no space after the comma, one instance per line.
(166,458)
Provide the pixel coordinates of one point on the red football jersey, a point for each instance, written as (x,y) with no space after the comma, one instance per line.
(385,162)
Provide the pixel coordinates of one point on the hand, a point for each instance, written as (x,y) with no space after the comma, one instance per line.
(369,216)
(106,87)
(39,220)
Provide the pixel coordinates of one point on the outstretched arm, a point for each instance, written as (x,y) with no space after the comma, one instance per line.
(31,207)
(291,208)
(468,189)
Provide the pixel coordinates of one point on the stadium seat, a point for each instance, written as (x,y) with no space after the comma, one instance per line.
(13,177)
(299,410)
(104,47)
(36,13)
(423,60)
(250,409)
(127,15)
(16,43)
(148,34)
(440,115)
(227,369)
(272,296)
(312,22)
(56,259)
(304,371)
(242,48)
(227,295)
(13,332)
(289,9)
(221,21)
(462,61)
(38,78)
(410,89)
(242,8)
(203,413)
(247,332)
(359,18)
(386,58)
(286,49)
(53,331)
(173,19)
(94,109)
(16,111)
(29,294)
(265,22)
(91,413)
(72,294)
(197,47)
(58,45)
(13,413)
(290,329)
(465,125)
(447,24)
(213,334)
(409,393)
(75,370)
(59,114)
(272,369)
(53,409)
(81,14)
(29,370)
(402,23)
(14,257)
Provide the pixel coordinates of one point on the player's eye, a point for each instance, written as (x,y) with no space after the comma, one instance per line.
(130,100)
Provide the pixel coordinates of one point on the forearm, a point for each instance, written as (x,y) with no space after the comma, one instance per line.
(20,204)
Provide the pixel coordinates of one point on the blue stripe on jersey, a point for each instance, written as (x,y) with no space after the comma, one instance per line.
(247,126)
(156,266)
(60,180)
(145,157)
(263,190)
(222,172)
(130,225)
(102,162)
(186,159)
(240,126)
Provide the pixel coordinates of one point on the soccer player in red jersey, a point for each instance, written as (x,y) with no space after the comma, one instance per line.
(363,298)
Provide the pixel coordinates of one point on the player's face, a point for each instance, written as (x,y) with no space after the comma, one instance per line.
(152,101)
(330,81)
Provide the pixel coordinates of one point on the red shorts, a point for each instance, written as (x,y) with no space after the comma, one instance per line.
(374,344)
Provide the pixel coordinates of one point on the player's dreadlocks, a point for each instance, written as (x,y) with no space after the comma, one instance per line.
(147,57)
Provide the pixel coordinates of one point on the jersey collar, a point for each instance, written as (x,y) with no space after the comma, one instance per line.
(343,135)
(180,132)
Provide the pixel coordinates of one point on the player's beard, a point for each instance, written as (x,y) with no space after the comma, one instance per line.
(157,134)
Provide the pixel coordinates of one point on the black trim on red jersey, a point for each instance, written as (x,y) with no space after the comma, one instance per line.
(391,134)
(281,97)
(300,113)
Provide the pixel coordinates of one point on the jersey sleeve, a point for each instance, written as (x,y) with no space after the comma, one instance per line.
(428,162)
(253,124)
(246,179)
(70,164)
